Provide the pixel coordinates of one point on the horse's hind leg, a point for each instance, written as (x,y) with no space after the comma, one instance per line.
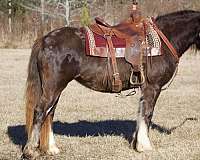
(149,97)
(41,113)
(54,79)
(47,142)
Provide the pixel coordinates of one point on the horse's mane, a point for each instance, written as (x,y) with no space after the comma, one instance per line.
(183,13)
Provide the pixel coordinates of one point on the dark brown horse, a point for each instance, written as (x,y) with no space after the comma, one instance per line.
(59,57)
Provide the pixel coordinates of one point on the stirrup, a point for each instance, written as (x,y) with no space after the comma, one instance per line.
(138,80)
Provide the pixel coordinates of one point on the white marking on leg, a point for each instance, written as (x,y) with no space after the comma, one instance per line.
(49,110)
(143,142)
(53,149)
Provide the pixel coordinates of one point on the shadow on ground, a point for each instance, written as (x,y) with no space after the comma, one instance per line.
(123,128)
(81,129)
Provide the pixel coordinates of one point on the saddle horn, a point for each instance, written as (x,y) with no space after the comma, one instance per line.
(135,2)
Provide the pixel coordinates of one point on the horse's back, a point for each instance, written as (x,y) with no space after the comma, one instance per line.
(63,38)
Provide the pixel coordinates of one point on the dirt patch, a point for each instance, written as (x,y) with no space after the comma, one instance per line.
(92,125)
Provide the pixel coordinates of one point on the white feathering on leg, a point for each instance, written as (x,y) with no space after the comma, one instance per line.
(143,142)
(53,149)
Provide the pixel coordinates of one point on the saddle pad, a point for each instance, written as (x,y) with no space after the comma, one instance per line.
(96,45)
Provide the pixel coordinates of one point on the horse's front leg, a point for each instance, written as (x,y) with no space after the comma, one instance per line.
(147,102)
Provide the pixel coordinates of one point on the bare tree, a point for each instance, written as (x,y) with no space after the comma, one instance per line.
(10,15)
(66,7)
(67,14)
(41,32)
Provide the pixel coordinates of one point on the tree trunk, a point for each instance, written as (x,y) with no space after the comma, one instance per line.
(40,19)
(10,15)
(67,12)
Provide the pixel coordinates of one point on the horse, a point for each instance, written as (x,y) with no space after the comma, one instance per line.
(59,57)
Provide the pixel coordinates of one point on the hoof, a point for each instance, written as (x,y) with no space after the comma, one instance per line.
(143,144)
(143,147)
(53,150)
(142,139)
(30,153)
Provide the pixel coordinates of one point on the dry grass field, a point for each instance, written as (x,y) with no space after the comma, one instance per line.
(89,125)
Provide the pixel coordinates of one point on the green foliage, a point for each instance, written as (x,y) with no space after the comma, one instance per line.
(85,15)
(17,10)
(4,6)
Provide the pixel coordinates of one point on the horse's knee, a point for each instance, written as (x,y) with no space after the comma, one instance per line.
(45,107)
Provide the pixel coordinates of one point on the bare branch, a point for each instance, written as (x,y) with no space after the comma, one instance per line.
(38,9)
(61,4)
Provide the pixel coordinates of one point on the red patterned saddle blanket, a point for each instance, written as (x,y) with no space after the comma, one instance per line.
(96,45)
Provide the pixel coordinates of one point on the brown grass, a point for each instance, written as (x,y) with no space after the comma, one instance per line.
(92,125)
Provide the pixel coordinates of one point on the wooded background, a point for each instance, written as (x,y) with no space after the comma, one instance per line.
(22,21)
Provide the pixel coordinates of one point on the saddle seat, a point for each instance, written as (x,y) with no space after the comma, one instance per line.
(101,22)
(124,30)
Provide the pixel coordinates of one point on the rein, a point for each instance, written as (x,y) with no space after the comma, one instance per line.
(171,48)
(167,42)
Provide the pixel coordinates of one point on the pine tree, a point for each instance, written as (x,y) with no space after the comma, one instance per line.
(85,15)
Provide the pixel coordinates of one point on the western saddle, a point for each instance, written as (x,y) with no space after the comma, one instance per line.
(132,31)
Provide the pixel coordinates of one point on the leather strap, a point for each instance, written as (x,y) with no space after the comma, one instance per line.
(117,83)
(167,42)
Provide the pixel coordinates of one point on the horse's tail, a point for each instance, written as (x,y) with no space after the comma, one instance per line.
(33,86)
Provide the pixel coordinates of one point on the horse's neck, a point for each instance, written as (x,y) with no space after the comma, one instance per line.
(180,34)
(184,40)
